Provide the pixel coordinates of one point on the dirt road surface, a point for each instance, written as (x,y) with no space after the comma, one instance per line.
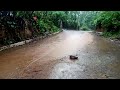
(98,58)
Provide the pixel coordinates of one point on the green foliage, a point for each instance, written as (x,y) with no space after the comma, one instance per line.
(16,22)
(49,22)
(54,29)
(111,35)
(84,28)
(110,20)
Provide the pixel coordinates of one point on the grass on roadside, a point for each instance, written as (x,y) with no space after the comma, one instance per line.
(112,35)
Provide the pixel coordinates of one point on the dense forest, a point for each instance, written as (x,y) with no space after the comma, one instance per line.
(17,26)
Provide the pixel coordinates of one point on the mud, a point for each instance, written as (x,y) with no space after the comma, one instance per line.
(98,58)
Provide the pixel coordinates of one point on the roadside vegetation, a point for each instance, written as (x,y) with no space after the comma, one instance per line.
(16,26)
(109,21)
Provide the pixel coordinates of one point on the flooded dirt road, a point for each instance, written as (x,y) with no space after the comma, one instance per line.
(98,58)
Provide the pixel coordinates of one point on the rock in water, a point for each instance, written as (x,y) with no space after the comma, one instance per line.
(73,57)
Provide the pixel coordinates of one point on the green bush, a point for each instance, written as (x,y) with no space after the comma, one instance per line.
(112,35)
(84,28)
(110,20)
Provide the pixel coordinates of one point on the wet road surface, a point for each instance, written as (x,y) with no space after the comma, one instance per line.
(98,58)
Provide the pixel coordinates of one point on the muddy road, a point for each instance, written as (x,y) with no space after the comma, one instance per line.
(98,58)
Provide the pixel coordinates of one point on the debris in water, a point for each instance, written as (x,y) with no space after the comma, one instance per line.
(73,57)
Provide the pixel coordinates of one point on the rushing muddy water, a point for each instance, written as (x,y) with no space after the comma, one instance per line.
(49,58)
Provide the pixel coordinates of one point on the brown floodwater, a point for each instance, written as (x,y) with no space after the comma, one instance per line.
(49,58)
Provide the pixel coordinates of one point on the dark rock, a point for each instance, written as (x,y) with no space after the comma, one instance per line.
(73,57)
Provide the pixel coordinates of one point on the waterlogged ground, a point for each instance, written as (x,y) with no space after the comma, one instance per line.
(98,58)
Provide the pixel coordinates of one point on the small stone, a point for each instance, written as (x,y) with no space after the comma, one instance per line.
(73,57)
